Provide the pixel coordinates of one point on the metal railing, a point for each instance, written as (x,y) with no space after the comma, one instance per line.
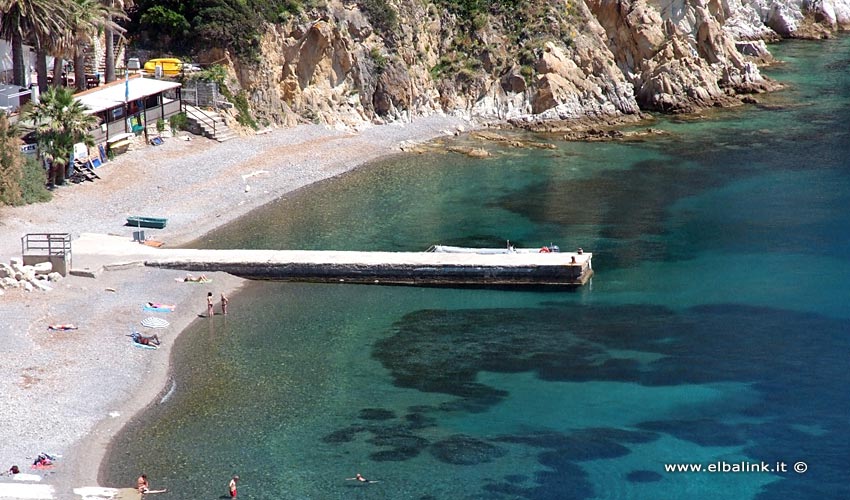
(47,245)
(57,244)
(203,118)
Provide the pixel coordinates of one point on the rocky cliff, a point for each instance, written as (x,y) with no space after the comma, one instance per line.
(523,60)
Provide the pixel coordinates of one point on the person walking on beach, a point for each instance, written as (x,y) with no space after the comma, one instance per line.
(231,487)
(209,305)
(223,304)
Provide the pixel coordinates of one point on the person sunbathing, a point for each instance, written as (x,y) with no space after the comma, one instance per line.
(160,305)
(200,279)
(153,340)
(62,327)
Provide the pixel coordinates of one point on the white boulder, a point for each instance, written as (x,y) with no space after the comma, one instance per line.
(43,267)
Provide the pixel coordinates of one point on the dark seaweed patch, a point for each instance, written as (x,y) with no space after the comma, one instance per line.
(775,352)
(585,444)
(344,435)
(403,444)
(376,414)
(398,440)
(705,432)
(419,421)
(394,455)
(465,450)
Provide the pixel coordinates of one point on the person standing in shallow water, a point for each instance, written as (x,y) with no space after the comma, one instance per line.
(142,484)
(231,487)
(209,305)
(223,303)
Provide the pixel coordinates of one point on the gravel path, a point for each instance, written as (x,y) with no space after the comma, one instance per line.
(70,392)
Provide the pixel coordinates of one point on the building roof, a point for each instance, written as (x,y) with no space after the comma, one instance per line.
(120,91)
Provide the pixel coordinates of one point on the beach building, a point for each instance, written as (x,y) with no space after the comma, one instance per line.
(12,97)
(127,106)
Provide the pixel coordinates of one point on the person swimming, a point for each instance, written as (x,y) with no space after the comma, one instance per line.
(359,477)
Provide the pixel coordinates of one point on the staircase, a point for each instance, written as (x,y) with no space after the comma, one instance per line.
(95,55)
(208,123)
(118,46)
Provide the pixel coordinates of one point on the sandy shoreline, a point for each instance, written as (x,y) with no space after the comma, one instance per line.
(70,392)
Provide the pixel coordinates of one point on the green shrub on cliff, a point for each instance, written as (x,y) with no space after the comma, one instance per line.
(381,14)
(185,26)
(170,27)
(379,59)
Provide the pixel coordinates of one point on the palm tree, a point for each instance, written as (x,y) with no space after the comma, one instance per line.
(109,46)
(50,44)
(61,121)
(33,19)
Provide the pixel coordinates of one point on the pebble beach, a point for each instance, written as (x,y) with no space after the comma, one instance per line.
(68,392)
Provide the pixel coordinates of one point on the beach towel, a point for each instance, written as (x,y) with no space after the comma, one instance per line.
(157,307)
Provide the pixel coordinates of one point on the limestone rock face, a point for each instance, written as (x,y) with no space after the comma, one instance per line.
(802,18)
(392,92)
(592,59)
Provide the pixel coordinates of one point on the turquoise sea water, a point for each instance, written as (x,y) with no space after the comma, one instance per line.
(716,328)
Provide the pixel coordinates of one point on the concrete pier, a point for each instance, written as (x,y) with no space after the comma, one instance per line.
(402,268)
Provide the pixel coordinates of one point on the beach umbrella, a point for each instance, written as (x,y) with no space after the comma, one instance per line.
(154,322)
